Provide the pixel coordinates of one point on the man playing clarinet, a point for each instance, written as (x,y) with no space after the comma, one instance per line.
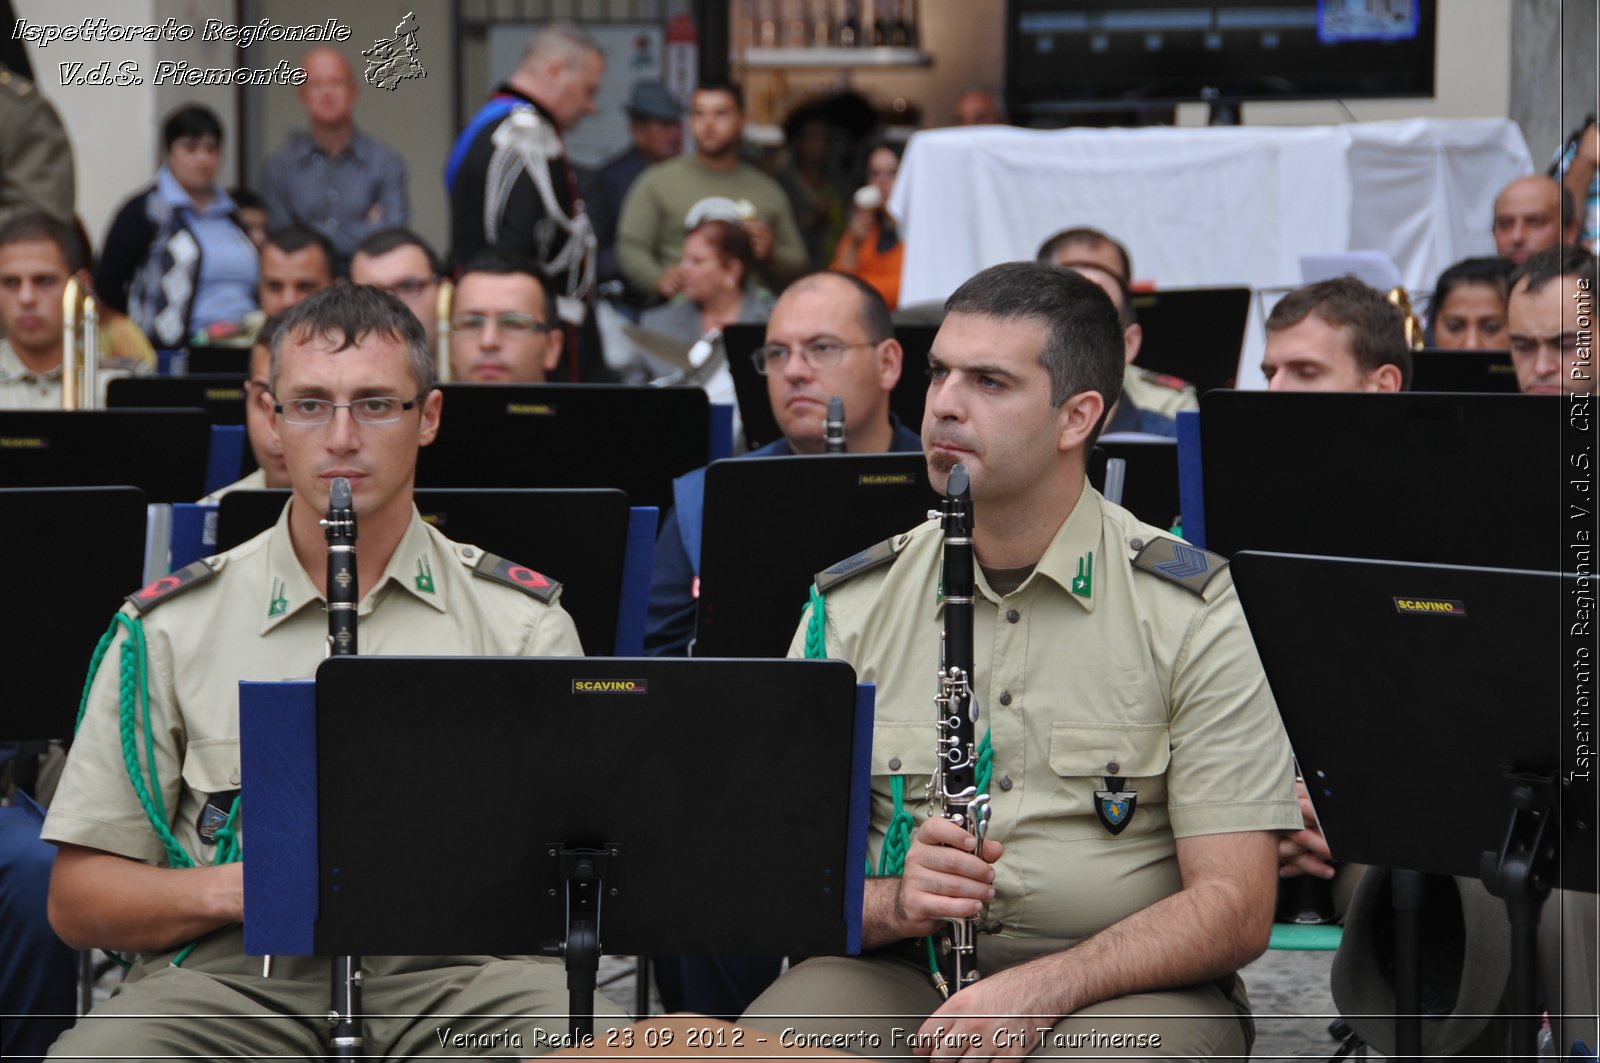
(147,818)
(1125,736)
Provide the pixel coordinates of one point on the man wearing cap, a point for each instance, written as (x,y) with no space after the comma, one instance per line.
(655,120)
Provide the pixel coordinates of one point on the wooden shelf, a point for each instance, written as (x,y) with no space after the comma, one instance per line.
(830,58)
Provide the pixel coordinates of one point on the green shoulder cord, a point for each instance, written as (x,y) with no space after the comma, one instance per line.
(134,697)
(902,825)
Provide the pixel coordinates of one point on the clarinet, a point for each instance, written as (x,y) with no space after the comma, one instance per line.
(344,597)
(953,790)
(833,427)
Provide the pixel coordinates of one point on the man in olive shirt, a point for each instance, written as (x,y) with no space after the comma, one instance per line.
(1111,659)
(352,396)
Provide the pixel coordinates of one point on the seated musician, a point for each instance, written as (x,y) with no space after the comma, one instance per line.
(38,256)
(153,868)
(1336,335)
(504,329)
(270,469)
(1552,298)
(401,263)
(1138,767)
(830,334)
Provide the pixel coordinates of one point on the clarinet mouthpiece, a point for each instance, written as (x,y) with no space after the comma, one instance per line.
(339,494)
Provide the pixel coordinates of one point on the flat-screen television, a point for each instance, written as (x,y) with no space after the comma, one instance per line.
(1066,56)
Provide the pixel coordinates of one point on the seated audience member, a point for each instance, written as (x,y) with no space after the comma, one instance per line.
(271,470)
(1533,214)
(1081,246)
(162,879)
(1336,335)
(828,334)
(401,263)
(719,287)
(655,124)
(672,197)
(176,259)
(1126,414)
(38,255)
(331,176)
(871,247)
(979,106)
(1468,309)
(504,330)
(296,260)
(1550,293)
(252,214)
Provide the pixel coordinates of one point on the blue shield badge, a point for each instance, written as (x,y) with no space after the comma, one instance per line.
(1115,808)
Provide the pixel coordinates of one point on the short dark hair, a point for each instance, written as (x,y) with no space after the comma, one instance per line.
(728,85)
(37,225)
(1486,269)
(872,312)
(269,328)
(395,237)
(192,120)
(349,312)
(1083,234)
(1377,327)
(504,263)
(1539,270)
(730,240)
(1083,346)
(295,237)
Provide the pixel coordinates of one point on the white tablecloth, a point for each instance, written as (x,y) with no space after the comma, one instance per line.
(1206,206)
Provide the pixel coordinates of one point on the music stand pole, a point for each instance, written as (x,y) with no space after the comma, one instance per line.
(1520,875)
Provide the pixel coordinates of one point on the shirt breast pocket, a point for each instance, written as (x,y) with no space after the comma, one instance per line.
(904,749)
(210,785)
(1083,755)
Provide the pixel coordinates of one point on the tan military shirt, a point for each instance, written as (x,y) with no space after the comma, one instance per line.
(260,618)
(1161,394)
(22,388)
(1091,668)
(256,481)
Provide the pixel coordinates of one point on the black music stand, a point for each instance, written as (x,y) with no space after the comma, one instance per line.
(579,537)
(753,590)
(1412,477)
(755,408)
(600,830)
(1461,671)
(636,439)
(221,359)
(1147,480)
(164,453)
(222,397)
(1193,333)
(1439,369)
(78,551)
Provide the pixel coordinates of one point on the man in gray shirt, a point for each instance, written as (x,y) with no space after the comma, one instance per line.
(333,177)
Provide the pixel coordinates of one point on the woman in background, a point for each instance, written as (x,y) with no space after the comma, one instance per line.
(176,259)
(1468,310)
(871,248)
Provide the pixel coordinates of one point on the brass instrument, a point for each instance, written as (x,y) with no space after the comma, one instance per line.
(953,789)
(80,348)
(1399,297)
(442,312)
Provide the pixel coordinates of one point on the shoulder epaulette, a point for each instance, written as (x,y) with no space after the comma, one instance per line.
(170,586)
(16,83)
(1172,559)
(881,554)
(524,579)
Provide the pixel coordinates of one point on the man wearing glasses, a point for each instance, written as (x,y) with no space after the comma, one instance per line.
(503,330)
(401,263)
(350,394)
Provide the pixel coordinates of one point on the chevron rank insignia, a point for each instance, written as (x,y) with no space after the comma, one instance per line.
(1175,560)
(169,586)
(1114,808)
(855,564)
(521,577)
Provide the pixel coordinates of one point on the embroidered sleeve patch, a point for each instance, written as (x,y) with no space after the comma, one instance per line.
(525,579)
(169,586)
(1188,566)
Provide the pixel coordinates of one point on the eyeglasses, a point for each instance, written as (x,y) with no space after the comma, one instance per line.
(376,409)
(405,289)
(510,324)
(818,354)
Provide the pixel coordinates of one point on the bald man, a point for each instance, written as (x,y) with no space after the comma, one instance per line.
(1533,214)
(331,176)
